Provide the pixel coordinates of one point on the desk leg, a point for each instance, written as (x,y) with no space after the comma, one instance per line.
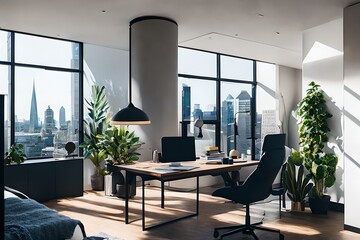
(143,205)
(127,175)
(196,213)
(162,194)
(197,196)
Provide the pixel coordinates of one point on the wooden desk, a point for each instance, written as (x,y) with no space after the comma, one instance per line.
(147,171)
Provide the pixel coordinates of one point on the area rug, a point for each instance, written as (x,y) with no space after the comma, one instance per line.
(102,236)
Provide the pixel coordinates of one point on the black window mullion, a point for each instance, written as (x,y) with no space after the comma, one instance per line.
(218,102)
(81,97)
(197,77)
(12,90)
(48,68)
(253,112)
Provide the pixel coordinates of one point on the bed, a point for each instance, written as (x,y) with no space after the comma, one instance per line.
(26,219)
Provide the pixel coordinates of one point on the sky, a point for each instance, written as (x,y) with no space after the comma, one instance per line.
(39,51)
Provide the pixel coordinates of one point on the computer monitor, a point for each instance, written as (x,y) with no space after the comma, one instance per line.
(177,149)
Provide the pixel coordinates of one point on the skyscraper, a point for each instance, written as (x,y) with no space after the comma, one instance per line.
(49,123)
(49,126)
(244,122)
(227,126)
(198,113)
(186,101)
(75,79)
(62,119)
(34,118)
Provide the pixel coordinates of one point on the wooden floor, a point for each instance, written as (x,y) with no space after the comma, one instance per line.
(101,213)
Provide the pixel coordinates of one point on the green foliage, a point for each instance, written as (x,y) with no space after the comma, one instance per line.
(297,185)
(121,145)
(312,119)
(15,154)
(96,125)
(323,173)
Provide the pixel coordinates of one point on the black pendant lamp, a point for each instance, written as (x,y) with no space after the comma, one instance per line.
(130,115)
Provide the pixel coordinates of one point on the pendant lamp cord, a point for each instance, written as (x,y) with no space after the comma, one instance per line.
(130,64)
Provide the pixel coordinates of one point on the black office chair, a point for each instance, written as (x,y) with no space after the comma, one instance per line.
(257,187)
(280,189)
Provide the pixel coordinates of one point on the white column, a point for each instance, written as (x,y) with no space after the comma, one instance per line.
(352,116)
(154,69)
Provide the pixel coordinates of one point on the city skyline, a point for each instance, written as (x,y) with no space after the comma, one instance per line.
(239,104)
(37,122)
(44,138)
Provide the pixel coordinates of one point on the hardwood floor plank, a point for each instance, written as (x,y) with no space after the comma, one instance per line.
(105,214)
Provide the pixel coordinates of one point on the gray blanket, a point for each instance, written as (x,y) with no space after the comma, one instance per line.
(26,219)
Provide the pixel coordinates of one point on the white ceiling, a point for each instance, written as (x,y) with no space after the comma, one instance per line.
(246,28)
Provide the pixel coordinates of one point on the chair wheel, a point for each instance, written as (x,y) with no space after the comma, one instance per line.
(216,233)
(281,237)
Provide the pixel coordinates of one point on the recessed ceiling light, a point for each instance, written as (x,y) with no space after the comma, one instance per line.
(103,11)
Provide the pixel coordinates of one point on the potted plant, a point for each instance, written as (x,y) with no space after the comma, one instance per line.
(312,118)
(296,184)
(121,146)
(322,171)
(15,154)
(96,125)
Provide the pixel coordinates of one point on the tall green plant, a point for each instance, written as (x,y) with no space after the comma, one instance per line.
(96,125)
(312,117)
(296,183)
(313,120)
(121,145)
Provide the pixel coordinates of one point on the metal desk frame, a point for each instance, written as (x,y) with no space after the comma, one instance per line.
(146,170)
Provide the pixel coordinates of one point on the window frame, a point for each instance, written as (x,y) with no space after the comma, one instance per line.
(13,64)
(184,124)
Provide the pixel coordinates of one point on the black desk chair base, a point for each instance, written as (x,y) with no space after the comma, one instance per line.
(246,228)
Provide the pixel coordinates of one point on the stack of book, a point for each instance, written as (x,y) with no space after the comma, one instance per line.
(213,152)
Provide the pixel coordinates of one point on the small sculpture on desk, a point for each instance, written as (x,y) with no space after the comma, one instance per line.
(156,156)
(199,123)
(70,148)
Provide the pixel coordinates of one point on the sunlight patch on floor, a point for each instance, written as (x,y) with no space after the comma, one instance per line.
(297,229)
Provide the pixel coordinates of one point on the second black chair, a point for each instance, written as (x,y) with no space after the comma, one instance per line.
(257,187)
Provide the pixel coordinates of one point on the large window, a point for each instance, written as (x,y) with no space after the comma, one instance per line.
(44,98)
(221,90)
(198,101)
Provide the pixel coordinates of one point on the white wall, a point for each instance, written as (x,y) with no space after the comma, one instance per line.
(290,90)
(323,64)
(107,67)
(352,115)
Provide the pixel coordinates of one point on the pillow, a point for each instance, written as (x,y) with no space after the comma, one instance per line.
(15,192)
(8,194)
